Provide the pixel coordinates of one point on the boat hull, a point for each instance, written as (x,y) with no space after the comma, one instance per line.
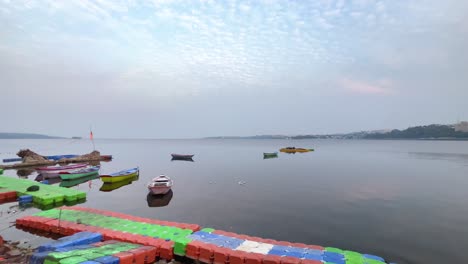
(155,190)
(182,156)
(300,150)
(73,176)
(112,179)
(58,169)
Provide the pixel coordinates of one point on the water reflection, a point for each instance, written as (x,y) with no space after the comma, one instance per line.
(24,173)
(183,159)
(459,157)
(52,180)
(108,187)
(74,182)
(159,200)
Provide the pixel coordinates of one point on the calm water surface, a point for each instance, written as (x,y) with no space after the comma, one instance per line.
(403,200)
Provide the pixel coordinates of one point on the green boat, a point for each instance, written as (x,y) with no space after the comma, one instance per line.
(74,182)
(80,173)
(270,155)
(1,171)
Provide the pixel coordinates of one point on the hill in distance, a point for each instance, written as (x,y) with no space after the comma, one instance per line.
(6,135)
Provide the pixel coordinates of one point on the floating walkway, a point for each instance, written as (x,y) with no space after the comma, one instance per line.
(186,240)
(47,196)
(86,247)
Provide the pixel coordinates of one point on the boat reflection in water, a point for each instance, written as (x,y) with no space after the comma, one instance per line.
(41,178)
(74,182)
(110,186)
(160,200)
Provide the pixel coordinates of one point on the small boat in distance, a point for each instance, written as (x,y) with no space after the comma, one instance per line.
(121,175)
(160,185)
(182,157)
(79,173)
(270,155)
(294,150)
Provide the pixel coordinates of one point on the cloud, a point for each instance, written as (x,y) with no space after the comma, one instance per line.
(382,87)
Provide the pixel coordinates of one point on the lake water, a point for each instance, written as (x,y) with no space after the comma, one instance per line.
(406,201)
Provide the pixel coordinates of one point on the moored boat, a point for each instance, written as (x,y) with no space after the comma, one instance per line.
(182,156)
(294,150)
(269,155)
(160,185)
(121,175)
(59,169)
(79,173)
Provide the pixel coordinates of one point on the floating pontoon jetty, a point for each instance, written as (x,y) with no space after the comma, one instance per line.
(168,239)
(47,195)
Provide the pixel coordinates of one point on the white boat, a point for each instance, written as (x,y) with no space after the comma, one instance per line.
(160,185)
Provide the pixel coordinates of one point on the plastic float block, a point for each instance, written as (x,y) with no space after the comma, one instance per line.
(290,260)
(221,255)
(332,249)
(206,253)
(139,255)
(310,261)
(271,259)
(150,255)
(38,257)
(124,257)
(108,260)
(253,258)
(237,257)
(90,262)
(166,250)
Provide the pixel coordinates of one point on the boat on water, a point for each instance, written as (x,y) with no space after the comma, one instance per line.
(59,169)
(270,155)
(53,157)
(110,186)
(187,157)
(159,200)
(294,150)
(160,185)
(77,181)
(121,175)
(70,175)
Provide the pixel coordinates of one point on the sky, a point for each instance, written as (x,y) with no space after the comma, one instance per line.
(185,69)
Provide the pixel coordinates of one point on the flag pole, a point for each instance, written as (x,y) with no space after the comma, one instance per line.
(91,137)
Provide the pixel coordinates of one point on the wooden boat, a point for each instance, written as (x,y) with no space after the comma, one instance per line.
(77,181)
(160,185)
(59,169)
(269,155)
(159,200)
(182,157)
(121,175)
(79,173)
(110,186)
(294,150)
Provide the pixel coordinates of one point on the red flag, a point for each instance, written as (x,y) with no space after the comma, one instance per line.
(91,135)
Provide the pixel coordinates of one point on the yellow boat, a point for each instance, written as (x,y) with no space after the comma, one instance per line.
(110,186)
(120,176)
(294,150)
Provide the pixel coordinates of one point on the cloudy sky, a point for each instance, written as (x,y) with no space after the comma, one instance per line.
(172,69)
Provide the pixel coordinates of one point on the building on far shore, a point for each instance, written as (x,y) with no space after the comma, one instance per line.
(462,126)
(76,137)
